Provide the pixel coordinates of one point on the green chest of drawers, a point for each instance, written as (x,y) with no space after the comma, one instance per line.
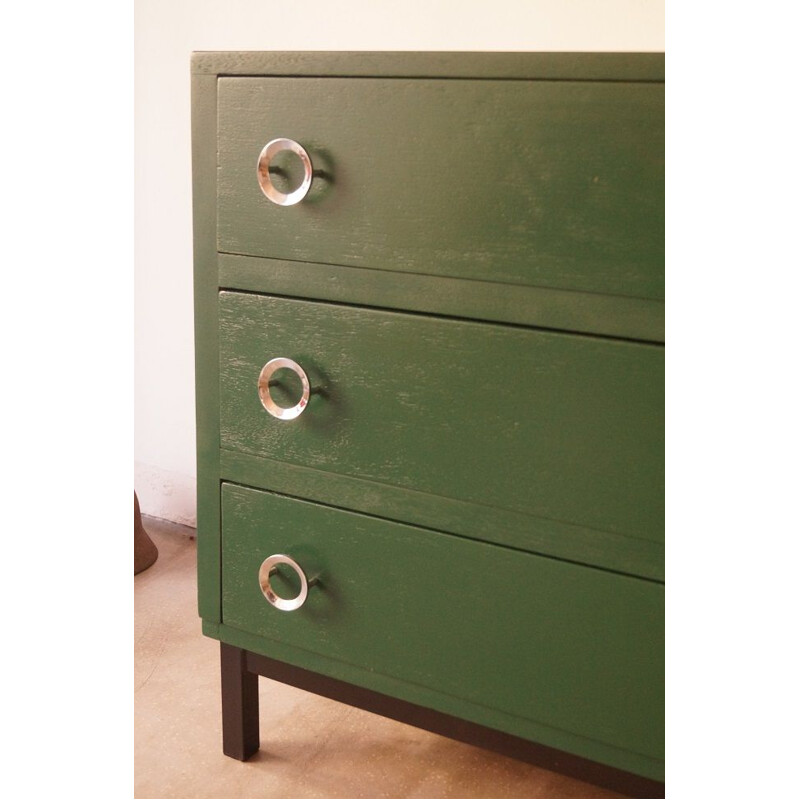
(429,338)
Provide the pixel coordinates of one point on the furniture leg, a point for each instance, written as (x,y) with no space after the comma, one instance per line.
(240,736)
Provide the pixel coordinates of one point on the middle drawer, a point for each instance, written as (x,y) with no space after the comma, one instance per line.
(558,426)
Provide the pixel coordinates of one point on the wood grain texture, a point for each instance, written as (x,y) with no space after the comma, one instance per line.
(557,426)
(550,184)
(487,197)
(508,66)
(607,315)
(569,647)
(581,545)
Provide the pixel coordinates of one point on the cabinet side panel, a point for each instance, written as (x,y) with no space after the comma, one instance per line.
(204,166)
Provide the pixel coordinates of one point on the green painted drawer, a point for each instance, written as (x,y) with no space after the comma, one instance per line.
(572,648)
(558,426)
(546,183)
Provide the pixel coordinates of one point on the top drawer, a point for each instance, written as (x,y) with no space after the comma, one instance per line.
(557,184)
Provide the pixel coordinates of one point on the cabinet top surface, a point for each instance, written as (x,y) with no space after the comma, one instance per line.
(509,66)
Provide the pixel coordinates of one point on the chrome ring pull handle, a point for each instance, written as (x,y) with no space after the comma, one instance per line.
(271,149)
(268,567)
(264,395)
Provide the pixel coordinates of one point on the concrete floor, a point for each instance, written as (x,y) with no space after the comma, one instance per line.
(311,746)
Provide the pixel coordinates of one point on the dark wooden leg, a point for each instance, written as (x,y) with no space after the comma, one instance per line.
(240,738)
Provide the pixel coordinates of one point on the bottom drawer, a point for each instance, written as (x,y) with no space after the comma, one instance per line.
(570,647)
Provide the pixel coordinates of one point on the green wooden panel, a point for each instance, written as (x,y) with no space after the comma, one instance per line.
(545,66)
(573,648)
(582,545)
(583,312)
(554,184)
(204,167)
(564,427)
(441,701)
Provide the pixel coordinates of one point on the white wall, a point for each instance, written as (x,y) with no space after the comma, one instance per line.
(166,33)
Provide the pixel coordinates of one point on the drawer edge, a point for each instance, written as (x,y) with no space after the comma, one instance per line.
(633,67)
(636,557)
(420,695)
(637,319)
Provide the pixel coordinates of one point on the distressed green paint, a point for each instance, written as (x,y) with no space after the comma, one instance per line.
(572,648)
(541,183)
(537,535)
(558,426)
(588,260)
(609,315)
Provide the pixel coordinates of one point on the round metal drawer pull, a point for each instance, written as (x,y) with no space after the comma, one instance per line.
(269,567)
(271,149)
(264,383)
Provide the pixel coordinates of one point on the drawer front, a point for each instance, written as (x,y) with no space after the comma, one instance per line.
(546,183)
(571,647)
(559,426)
